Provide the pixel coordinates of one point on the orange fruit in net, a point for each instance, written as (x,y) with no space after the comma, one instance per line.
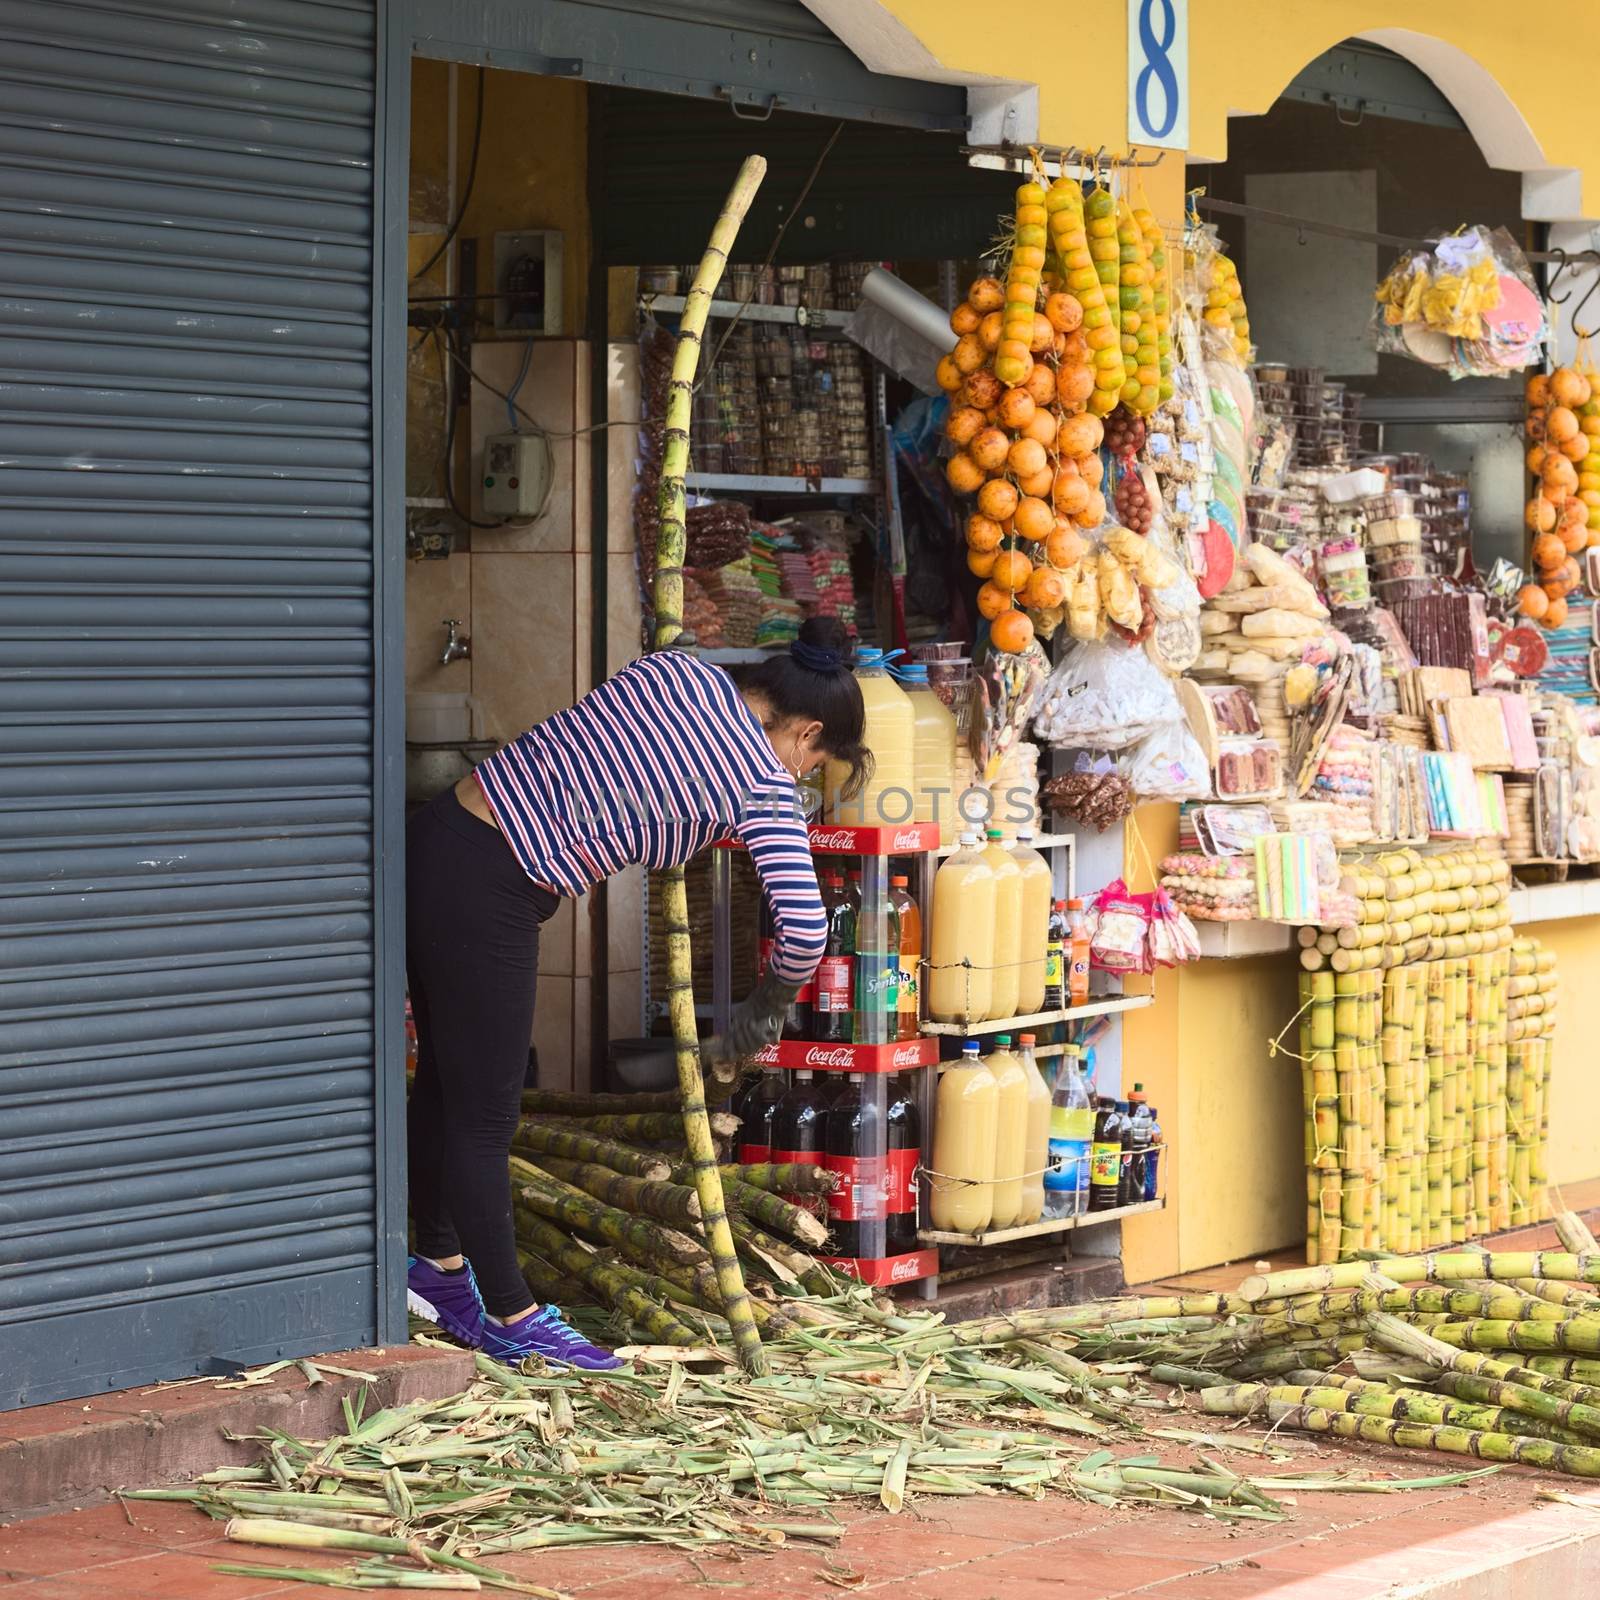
(1012,570)
(965,475)
(1044,589)
(1569,388)
(983,533)
(1539,515)
(998,499)
(1560,422)
(992,600)
(1035,520)
(1011,632)
(980,563)
(1532,601)
(1556,616)
(1537,389)
(1549,552)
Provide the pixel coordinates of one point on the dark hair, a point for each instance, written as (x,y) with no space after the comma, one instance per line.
(812,682)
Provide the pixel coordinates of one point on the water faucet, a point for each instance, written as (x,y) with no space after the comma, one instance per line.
(458,647)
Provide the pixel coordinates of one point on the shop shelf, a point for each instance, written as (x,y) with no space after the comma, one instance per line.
(815,1056)
(1035,1230)
(758,483)
(1232,941)
(884,1271)
(1095,1006)
(794,316)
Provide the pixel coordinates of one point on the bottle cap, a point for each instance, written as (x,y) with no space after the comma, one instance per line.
(991,833)
(1058,905)
(1074,904)
(970,1048)
(1026,1041)
(899,881)
(1122,1106)
(1003,1040)
(965,839)
(1024,835)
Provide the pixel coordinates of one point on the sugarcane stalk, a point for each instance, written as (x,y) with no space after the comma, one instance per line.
(805,1270)
(602,1280)
(563,1103)
(1578,1460)
(670,884)
(537,1139)
(771,1211)
(1441,1267)
(653,1127)
(666,1202)
(1574,1233)
(787,1177)
(550,1197)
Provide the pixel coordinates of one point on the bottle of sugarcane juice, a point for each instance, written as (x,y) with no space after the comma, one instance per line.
(933,753)
(1007,957)
(888,733)
(1011,1132)
(966,1116)
(1037,1150)
(960,987)
(1035,929)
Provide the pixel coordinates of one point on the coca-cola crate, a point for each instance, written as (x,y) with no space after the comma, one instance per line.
(812,1056)
(883,1271)
(910,838)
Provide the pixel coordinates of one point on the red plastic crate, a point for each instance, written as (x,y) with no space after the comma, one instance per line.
(899,1056)
(910,838)
(884,1271)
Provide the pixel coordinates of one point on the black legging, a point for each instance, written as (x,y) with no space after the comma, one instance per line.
(472,961)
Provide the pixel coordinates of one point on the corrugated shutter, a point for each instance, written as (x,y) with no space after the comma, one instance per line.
(882,193)
(187,1084)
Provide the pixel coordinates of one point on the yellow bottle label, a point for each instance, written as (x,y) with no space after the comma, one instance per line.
(1105,1164)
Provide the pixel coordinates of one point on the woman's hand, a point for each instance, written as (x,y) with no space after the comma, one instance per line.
(757,1021)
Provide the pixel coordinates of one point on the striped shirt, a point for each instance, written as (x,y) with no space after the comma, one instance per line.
(650,768)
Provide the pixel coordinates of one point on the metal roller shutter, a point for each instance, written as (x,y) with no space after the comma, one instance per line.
(188,1095)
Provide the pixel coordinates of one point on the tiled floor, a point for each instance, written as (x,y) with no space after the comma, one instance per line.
(1498,1538)
(1333,1547)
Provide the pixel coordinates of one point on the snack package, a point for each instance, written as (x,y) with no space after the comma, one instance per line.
(1173,939)
(1120,938)
(1104,696)
(1167,764)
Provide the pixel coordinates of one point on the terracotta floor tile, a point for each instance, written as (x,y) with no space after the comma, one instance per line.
(1080,1569)
(43,1550)
(188,1573)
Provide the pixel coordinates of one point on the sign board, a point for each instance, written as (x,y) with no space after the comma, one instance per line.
(1158,73)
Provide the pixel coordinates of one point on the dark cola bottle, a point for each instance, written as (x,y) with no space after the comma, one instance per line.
(854,1155)
(904,1156)
(834,986)
(755,1108)
(799,1130)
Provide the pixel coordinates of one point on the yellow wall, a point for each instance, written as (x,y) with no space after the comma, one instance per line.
(1574,1080)
(1242,53)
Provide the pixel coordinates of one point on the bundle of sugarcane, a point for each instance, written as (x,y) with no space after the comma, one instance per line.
(1416,908)
(1531,1012)
(1424,1056)
(878,1407)
(620,1225)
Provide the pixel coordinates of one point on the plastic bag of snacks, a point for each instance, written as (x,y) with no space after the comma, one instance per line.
(1120,929)
(1173,939)
(1167,764)
(1104,696)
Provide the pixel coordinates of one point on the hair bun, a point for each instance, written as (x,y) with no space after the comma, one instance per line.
(816,657)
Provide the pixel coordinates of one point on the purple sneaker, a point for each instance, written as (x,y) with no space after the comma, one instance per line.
(546,1335)
(448,1298)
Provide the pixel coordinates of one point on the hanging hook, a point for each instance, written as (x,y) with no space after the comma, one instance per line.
(1572,316)
(1563,264)
(1099,162)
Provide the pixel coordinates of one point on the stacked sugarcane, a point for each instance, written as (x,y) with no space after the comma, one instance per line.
(607,1212)
(1412,1088)
(1530,1023)
(1473,1352)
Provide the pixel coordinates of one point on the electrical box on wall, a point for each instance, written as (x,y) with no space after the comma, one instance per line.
(516,474)
(527,281)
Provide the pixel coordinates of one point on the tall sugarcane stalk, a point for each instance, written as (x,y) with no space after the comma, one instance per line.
(670,884)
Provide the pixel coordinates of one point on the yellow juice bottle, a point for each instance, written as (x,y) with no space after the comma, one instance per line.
(933,754)
(888,733)
(960,987)
(1035,930)
(1037,1152)
(966,1112)
(1007,956)
(1011,1132)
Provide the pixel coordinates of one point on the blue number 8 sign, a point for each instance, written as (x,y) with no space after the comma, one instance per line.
(1158,72)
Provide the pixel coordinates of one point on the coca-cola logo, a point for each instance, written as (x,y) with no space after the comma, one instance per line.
(842,1056)
(907,1055)
(836,839)
(905,1269)
(767,1055)
(907,839)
